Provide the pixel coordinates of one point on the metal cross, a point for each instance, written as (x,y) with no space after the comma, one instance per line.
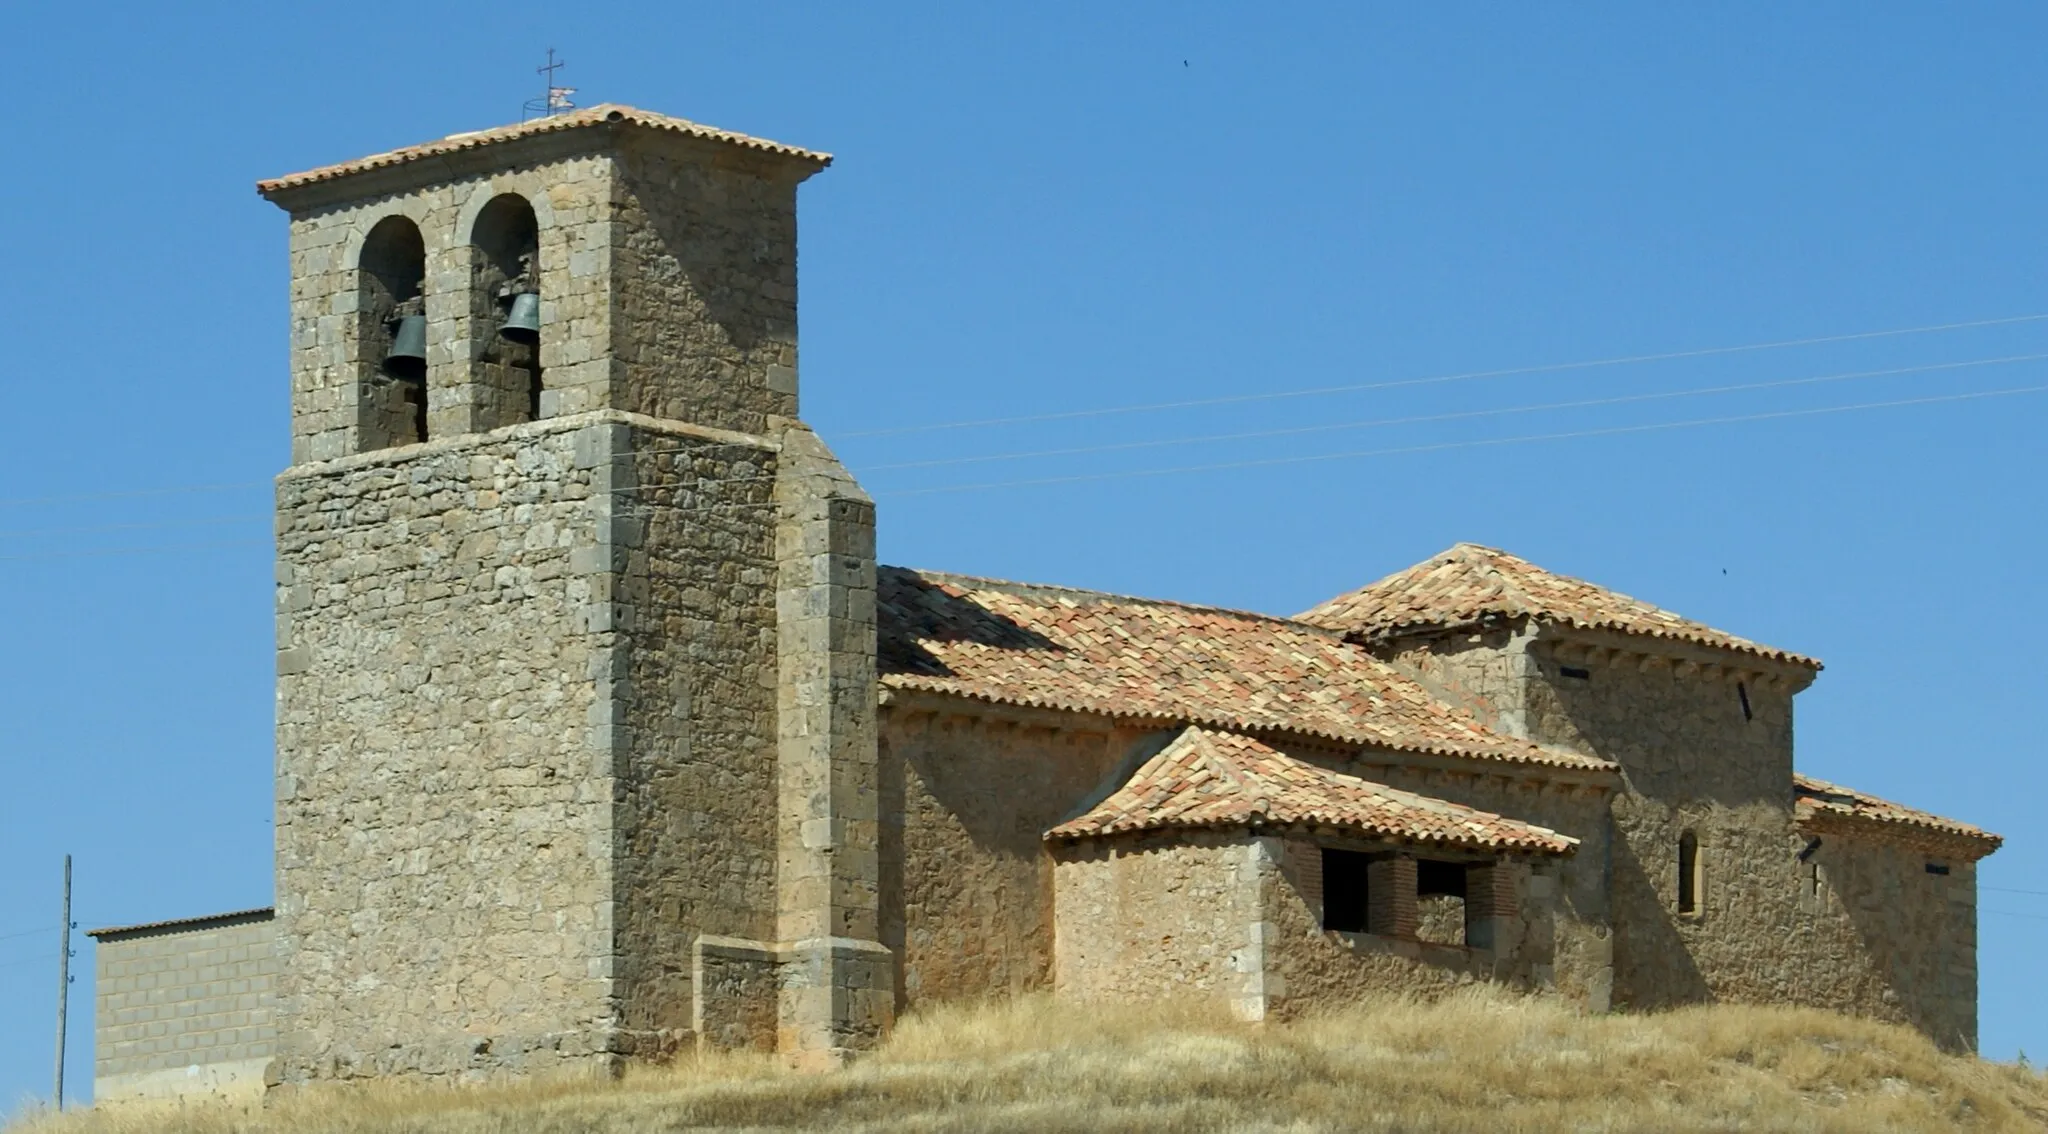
(555,99)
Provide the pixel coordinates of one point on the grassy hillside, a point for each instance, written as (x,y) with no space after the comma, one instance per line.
(1481,1061)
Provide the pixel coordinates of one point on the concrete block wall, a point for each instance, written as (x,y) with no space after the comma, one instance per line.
(184,1008)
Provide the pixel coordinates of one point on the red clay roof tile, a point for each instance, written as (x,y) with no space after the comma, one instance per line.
(1204,778)
(1084,651)
(1469,582)
(600,115)
(1820,804)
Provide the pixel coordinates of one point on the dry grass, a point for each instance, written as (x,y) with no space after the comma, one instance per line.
(1482,1060)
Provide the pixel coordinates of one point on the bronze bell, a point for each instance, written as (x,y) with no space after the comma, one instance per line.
(522,324)
(408,355)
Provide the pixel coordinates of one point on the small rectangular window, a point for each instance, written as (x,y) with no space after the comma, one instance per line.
(1344,890)
(1742,691)
(1937,868)
(1575,672)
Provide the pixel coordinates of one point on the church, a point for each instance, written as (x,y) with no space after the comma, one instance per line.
(601,735)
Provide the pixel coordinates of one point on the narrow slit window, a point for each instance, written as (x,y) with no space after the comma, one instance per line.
(1742,692)
(1344,890)
(1688,873)
(1940,868)
(1577,673)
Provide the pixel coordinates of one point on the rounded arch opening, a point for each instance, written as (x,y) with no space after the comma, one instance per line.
(505,310)
(392,335)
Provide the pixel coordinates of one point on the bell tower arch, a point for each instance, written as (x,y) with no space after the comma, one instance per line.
(505,315)
(391,335)
(576,683)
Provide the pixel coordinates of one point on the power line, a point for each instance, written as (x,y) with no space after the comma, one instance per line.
(133,550)
(1551,368)
(1296,431)
(1221,466)
(24,502)
(24,533)
(1217,467)
(1608,432)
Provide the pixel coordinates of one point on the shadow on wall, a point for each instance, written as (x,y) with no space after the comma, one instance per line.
(1653,967)
(913,608)
(704,253)
(1908,938)
(889,800)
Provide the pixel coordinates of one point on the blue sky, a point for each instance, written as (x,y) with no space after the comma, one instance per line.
(1055,208)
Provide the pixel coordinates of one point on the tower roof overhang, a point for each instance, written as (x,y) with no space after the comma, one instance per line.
(477,150)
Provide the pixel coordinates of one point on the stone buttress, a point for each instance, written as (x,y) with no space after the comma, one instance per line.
(576,639)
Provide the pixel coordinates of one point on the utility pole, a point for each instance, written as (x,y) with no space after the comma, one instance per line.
(63,980)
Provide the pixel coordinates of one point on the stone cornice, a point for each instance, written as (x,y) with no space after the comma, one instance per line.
(525,431)
(1574,645)
(1927,840)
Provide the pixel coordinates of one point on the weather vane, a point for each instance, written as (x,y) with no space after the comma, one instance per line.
(556,100)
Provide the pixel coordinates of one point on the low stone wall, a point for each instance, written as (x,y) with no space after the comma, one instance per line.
(184,1008)
(1312,968)
(1237,917)
(1161,917)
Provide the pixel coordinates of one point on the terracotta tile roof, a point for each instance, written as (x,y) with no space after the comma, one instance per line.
(600,115)
(1205,778)
(1083,651)
(1820,805)
(1469,582)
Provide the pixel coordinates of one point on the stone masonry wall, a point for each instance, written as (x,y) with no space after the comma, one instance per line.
(1174,915)
(444,819)
(1484,672)
(337,411)
(531,745)
(687,708)
(1581,945)
(1693,760)
(704,241)
(1886,937)
(968,791)
(1316,969)
(184,1010)
(1236,917)
(527,730)
(1690,761)
(838,989)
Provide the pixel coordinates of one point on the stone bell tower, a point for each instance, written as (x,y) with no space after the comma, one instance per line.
(576,620)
